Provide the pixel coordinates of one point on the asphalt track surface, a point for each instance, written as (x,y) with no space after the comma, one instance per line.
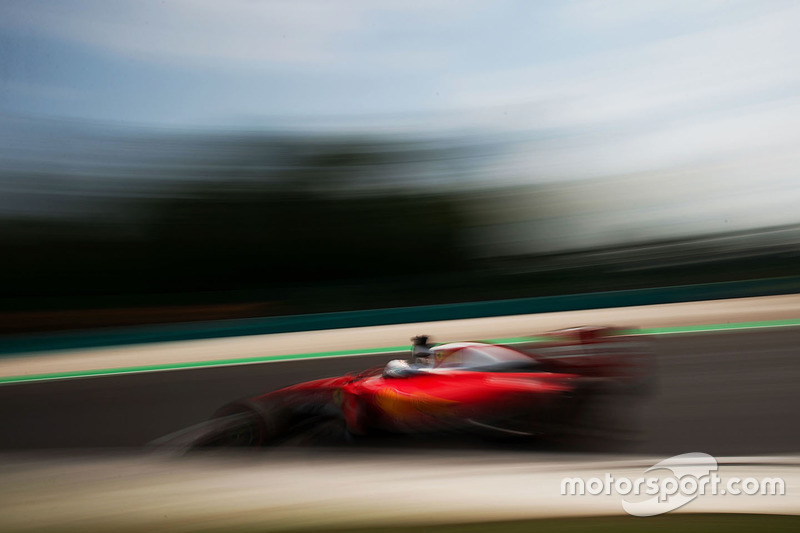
(722,393)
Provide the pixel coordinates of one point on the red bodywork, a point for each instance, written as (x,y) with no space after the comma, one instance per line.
(452,400)
(546,389)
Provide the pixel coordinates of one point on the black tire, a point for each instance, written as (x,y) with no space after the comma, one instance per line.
(235,430)
(319,430)
(599,420)
(253,424)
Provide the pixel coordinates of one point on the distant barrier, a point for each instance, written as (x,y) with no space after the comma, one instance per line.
(399,315)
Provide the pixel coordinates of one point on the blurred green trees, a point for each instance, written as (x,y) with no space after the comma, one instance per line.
(277,213)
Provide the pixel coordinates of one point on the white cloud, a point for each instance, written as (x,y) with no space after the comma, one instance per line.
(234,30)
(696,70)
(213,32)
(613,15)
(707,96)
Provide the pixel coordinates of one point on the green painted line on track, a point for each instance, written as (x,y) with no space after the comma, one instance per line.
(365,351)
(722,327)
(201,364)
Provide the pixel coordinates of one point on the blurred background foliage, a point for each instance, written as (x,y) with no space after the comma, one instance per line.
(251,225)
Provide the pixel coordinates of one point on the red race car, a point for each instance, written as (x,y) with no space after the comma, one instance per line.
(553,388)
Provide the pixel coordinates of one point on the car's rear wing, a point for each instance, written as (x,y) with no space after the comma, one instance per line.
(601,351)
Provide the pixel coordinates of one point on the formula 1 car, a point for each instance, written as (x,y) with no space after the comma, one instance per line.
(550,388)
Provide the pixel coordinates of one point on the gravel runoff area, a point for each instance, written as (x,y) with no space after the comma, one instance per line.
(296,490)
(665,315)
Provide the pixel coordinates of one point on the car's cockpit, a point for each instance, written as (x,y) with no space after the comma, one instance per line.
(475,356)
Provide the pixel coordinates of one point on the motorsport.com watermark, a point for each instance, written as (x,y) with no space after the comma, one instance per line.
(693,475)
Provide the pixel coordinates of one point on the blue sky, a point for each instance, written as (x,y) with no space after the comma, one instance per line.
(206,63)
(664,83)
(701,96)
